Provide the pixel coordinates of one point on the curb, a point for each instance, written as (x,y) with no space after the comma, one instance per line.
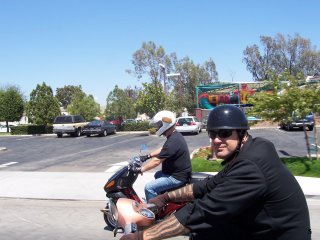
(143,133)
(308,196)
(89,186)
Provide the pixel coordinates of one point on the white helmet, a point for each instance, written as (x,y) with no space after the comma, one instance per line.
(163,120)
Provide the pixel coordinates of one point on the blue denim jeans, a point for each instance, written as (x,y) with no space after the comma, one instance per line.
(162,183)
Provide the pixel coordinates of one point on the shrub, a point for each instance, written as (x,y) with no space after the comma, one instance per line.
(139,126)
(302,166)
(252,123)
(204,152)
(30,129)
(152,131)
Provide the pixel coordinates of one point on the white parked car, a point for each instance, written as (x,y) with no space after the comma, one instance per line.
(3,128)
(189,124)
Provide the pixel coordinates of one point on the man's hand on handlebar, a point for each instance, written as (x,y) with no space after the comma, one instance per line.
(145,157)
(137,169)
(161,200)
(136,165)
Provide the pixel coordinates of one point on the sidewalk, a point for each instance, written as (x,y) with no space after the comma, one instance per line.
(87,186)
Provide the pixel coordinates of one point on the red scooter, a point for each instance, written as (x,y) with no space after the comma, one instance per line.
(124,207)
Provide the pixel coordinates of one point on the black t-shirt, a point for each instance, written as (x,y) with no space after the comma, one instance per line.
(177,161)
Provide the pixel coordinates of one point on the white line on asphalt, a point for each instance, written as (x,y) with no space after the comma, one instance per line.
(108,136)
(27,221)
(26,138)
(115,167)
(114,135)
(7,164)
(120,163)
(112,169)
(86,151)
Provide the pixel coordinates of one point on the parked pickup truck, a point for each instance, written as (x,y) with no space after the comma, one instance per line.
(69,124)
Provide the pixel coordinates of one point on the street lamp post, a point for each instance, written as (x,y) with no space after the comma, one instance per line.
(163,67)
(179,75)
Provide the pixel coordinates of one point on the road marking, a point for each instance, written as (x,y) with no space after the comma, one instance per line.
(25,138)
(27,221)
(86,151)
(96,135)
(113,136)
(116,166)
(7,164)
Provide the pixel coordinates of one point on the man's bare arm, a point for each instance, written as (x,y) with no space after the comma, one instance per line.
(169,227)
(184,194)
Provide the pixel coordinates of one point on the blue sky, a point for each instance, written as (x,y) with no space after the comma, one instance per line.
(90,43)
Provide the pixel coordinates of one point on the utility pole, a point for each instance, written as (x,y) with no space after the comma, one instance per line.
(163,68)
(180,79)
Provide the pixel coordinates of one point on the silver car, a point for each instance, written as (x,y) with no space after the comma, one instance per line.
(189,124)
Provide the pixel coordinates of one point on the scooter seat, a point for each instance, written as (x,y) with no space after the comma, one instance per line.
(195,176)
(198,176)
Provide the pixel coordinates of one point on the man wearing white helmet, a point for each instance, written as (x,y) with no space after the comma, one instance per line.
(174,157)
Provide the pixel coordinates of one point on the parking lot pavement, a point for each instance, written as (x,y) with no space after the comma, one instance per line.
(87,186)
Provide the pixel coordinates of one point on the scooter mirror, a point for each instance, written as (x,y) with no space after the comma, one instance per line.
(143,147)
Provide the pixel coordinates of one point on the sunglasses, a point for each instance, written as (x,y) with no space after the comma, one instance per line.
(159,124)
(221,133)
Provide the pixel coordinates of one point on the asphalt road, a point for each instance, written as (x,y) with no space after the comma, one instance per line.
(97,154)
(53,219)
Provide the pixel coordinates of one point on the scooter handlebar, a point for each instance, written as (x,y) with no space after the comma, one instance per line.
(135,163)
(152,207)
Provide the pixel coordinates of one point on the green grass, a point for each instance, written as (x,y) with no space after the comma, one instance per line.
(4,134)
(301,166)
(203,165)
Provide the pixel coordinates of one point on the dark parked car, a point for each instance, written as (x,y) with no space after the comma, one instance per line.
(296,122)
(100,127)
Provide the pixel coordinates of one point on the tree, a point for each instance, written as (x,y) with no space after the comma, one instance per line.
(151,99)
(11,104)
(193,75)
(294,54)
(42,107)
(311,103)
(287,97)
(65,94)
(211,71)
(121,103)
(146,60)
(84,105)
(272,104)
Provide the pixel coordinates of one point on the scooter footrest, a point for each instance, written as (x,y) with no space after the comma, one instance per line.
(130,228)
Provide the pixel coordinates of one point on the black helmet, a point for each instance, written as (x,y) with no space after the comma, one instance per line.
(227,117)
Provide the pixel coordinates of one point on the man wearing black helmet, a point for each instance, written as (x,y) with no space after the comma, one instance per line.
(253,197)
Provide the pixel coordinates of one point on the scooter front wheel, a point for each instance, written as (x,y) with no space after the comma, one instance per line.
(110,214)
(110,220)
